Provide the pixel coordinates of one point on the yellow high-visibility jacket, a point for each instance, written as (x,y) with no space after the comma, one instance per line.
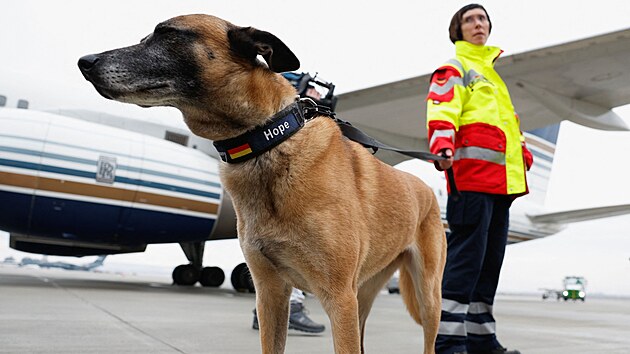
(469,111)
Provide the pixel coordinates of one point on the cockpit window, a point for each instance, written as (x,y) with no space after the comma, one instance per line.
(3,101)
(22,104)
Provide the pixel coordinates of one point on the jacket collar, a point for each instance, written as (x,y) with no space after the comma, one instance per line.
(479,53)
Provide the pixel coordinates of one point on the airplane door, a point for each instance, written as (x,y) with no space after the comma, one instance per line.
(177,198)
(128,227)
(148,220)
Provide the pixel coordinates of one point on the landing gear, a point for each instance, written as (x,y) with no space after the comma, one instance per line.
(189,274)
(242,279)
(186,274)
(212,276)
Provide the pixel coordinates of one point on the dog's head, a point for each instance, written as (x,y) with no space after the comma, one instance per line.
(206,67)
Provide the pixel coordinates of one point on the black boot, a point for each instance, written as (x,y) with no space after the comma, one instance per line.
(299,321)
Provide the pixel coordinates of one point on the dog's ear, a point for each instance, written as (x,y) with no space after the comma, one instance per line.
(250,42)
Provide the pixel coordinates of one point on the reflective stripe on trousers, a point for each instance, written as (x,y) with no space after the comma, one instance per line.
(458,325)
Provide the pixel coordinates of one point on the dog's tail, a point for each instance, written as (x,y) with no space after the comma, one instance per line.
(420,281)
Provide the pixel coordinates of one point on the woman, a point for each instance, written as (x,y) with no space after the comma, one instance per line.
(471,120)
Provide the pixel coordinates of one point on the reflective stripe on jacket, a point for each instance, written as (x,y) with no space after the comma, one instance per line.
(469,111)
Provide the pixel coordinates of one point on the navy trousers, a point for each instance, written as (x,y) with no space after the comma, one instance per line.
(476,246)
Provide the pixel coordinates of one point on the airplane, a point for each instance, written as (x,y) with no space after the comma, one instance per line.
(90,181)
(44,263)
(71,187)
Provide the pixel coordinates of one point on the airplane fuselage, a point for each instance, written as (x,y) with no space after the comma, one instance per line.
(85,188)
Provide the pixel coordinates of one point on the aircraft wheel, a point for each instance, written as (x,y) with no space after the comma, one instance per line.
(186,274)
(241,279)
(212,276)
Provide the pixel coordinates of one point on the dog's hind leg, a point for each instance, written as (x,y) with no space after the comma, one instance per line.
(421,280)
(368,292)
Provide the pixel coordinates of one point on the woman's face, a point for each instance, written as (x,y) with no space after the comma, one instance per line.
(475,26)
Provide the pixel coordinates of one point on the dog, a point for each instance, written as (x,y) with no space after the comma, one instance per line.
(317,211)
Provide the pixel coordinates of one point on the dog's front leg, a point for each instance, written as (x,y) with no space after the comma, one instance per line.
(272,306)
(343,310)
(272,303)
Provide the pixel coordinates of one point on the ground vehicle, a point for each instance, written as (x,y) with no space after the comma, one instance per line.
(574,288)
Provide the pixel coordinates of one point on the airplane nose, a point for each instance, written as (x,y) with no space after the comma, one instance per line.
(87,62)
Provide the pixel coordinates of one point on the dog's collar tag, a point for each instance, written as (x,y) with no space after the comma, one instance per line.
(261,139)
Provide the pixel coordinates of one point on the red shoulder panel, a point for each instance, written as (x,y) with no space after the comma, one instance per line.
(442,86)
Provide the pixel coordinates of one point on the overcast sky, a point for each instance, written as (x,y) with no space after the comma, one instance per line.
(352,43)
(355,44)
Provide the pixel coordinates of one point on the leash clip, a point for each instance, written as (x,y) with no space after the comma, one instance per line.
(311,109)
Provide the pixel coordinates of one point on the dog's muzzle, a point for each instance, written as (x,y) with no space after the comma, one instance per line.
(86,63)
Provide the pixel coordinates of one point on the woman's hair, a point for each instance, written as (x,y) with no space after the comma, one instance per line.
(455,28)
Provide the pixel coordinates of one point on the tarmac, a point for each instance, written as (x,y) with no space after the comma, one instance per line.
(59,311)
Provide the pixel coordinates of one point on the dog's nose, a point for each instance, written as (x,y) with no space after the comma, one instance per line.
(87,62)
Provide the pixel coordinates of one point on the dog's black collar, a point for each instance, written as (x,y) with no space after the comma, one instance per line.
(261,139)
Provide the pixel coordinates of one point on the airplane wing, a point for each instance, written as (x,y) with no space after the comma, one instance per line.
(569,216)
(579,81)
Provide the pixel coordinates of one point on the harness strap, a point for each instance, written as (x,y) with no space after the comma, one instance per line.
(360,137)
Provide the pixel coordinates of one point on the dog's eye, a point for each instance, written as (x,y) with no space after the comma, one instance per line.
(160,30)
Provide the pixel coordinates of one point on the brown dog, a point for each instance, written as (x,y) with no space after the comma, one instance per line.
(317,211)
